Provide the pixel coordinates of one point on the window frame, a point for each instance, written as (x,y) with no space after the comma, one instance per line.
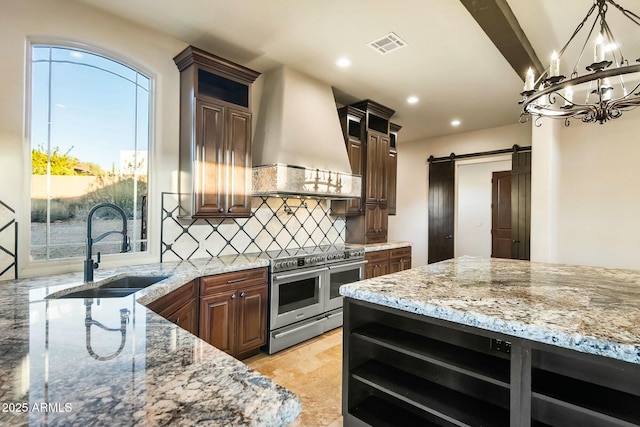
(31,268)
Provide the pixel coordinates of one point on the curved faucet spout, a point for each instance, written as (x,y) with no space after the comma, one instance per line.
(89,264)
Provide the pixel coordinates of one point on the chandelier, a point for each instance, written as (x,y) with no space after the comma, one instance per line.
(608,88)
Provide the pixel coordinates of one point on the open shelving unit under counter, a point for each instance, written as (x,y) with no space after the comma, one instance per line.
(402,368)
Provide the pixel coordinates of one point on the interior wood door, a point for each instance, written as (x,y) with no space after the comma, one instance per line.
(521,205)
(441,210)
(501,215)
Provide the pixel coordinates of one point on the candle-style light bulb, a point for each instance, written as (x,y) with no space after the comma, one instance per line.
(554,68)
(529,80)
(568,96)
(598,49)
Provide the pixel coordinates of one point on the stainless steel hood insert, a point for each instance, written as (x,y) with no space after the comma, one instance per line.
(286,180)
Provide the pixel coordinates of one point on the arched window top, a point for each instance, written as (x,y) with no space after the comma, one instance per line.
(43,53)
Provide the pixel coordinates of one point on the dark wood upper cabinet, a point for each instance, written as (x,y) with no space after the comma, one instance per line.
(392,168)
(372,129)
(215,136)
(352,123)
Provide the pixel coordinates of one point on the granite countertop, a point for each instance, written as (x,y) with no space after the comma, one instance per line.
(588,309)
(112,361)
(371,247)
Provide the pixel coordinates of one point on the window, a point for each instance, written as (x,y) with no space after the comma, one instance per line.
(90,119)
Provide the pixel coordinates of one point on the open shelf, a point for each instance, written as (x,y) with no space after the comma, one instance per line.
(468,362)
(557,398)
(451,406)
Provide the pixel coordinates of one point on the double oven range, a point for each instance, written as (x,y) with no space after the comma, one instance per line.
(304,298)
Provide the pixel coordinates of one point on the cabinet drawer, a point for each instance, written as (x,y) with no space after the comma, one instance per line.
(377,256)
(400,252)
(221,282)
(167,305)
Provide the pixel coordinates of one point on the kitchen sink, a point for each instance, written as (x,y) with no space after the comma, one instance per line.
(114,289)
(137,282)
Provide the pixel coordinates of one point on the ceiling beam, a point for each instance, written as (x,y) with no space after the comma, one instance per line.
(500,24)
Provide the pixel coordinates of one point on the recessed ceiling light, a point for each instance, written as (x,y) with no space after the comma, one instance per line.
(343,62)
(412,99)
(455,122)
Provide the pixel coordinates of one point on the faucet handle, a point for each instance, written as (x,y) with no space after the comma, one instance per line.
(127,247)
(97,263)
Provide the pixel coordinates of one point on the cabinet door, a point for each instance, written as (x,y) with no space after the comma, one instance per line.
(377,263)
(392,173)
(217,320)
(376,223)
(372,181)
(382,169)
(354,150)
(252,318)
(186,317)
(209,159)
(238,161)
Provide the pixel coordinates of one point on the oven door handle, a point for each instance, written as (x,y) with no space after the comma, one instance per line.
(352,264)
(290,331)
(302,273)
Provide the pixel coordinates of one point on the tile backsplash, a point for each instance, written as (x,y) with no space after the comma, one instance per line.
(8,243)
(276,223)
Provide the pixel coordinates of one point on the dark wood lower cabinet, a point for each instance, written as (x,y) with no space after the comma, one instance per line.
(217,325)
(180,306)
(387,261)
(233,311)
(229,311)
(402,368)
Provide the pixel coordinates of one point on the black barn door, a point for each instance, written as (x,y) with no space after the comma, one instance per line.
(441,210)
(521,205)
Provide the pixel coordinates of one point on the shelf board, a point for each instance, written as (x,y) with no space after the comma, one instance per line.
(465,361)
(617,407)
(382,413)
(449,405)
(551,410)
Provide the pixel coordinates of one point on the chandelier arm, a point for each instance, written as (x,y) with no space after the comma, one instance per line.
(630,15)
(586,40)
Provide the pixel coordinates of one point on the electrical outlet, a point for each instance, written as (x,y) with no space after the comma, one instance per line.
(500,345)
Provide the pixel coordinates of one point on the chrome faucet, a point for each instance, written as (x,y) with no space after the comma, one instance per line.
(89,264)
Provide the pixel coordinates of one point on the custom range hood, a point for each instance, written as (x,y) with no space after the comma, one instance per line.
(299,149)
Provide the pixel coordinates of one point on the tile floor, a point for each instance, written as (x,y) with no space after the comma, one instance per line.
(313,371)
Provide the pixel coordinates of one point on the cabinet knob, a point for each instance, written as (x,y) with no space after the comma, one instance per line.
(241,294)
(230,210)
(233,296)
(221,210)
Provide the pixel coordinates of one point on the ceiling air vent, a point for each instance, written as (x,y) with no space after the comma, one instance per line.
(388,43)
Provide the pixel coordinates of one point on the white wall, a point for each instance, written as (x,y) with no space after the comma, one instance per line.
(598,173)
(410,223)
(586,180)
(473,204)
(63,20)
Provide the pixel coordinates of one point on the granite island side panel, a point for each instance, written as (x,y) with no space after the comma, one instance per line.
(115,362)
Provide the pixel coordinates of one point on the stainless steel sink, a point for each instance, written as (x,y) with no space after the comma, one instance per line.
(114,289)
(138,282)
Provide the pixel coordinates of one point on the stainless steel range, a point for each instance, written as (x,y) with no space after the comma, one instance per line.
(303,291)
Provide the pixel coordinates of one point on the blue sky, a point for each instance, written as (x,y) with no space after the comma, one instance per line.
(92,110)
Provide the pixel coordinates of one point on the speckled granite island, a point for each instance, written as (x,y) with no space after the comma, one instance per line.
(113,362)
(491,342)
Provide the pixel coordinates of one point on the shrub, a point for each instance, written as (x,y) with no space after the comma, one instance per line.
(60,210)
